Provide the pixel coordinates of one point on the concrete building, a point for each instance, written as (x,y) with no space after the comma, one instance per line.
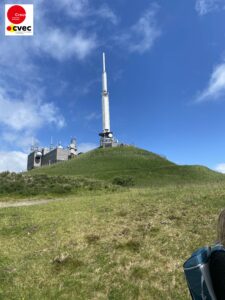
(48,156)
(54,156)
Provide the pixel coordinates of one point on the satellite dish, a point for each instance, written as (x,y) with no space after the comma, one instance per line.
(110,135)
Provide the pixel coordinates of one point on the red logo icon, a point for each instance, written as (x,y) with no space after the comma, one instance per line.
(16,15)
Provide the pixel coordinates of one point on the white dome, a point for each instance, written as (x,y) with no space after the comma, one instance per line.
(38,154)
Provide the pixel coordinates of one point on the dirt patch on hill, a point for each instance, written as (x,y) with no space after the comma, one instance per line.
(26,203)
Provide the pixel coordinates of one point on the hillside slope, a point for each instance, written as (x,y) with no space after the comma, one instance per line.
(145,167)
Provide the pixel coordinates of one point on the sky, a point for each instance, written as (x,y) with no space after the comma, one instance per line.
(165,63)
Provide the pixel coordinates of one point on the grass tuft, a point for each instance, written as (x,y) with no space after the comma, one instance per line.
(92,238)
(132,245)
(123,180)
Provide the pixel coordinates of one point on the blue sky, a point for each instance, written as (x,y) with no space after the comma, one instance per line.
(166,74)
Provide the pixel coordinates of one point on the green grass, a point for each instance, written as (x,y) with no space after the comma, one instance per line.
(122,246)
(146,168)
(128,220)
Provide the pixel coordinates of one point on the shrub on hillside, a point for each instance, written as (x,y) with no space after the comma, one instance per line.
(4,174)
(31,185)
(123,180)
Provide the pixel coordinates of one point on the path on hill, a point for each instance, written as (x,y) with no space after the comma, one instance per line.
(26,203)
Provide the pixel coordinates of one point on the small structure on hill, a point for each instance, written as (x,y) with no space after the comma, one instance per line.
(48,156)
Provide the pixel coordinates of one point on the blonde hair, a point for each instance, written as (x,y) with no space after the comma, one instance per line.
(221,228)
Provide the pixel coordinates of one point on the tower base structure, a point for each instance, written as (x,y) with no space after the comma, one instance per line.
(107,140)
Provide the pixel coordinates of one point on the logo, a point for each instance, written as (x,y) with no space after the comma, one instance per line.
(19,19)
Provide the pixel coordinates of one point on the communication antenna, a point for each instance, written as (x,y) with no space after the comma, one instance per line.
(60,145)
(32,145)
(51,143)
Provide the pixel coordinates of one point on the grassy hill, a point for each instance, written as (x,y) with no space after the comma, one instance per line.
(100,241)
(146,168)
(103,169)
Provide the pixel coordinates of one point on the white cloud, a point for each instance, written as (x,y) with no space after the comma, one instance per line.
(85,147)
(23,141)
(13,161)
(74,8)
(146,31)
(105,12)
(21,118)
(220,168)
(141,36)
(203,7)
(216,85)
(28,113)
(85,9)
(93,116)
(62,45)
